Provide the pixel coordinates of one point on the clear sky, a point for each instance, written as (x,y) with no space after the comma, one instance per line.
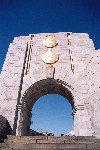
(22,17)
(52,113)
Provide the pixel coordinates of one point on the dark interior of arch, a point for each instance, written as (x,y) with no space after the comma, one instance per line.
(34,92)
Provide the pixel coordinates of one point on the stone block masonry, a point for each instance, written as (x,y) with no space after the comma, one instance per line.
(77,70)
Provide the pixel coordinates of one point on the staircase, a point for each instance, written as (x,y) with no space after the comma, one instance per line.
(50,143)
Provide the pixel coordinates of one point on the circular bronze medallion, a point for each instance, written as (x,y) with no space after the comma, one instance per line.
(50,57)
(50,41)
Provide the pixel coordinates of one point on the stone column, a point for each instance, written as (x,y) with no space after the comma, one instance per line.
(82,121)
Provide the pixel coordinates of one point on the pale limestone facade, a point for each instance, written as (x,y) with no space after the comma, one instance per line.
(76,75)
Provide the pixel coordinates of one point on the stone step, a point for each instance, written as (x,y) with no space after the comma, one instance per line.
(51,149)
(67,138)
(44,139)
(50,143)
(48,149)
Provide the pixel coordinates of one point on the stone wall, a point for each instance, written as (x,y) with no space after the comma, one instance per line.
(78,66)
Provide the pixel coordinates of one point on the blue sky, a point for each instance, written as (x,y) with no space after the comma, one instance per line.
(52,113)
(22,17)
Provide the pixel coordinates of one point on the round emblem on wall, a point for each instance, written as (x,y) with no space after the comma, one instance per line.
(50,57)
(50,41)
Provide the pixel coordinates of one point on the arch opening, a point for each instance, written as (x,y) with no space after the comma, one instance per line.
(41,88)
(51,115)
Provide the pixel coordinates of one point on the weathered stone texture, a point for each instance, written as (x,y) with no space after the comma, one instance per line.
(23,67)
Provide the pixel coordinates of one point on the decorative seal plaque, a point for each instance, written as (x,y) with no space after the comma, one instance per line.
(50,57)
(50,41)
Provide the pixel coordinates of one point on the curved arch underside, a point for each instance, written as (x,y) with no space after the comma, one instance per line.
(40,88)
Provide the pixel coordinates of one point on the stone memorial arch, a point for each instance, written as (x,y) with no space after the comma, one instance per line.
(62,63)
